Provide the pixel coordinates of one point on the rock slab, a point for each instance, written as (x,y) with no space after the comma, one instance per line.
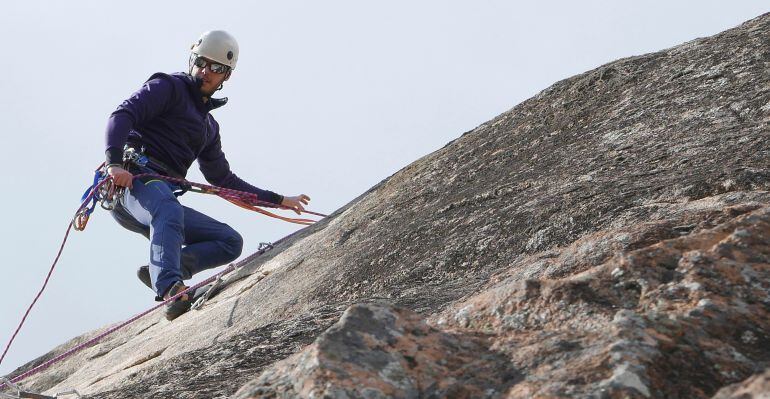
(606,238)
(380,351)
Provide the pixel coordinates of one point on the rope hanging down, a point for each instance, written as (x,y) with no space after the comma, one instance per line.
(103,190)
(101,336)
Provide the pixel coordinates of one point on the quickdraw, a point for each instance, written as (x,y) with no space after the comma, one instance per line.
(102,191)
(21,394)
(198,304)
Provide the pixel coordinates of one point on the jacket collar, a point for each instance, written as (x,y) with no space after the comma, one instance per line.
(215,103)
(194,84)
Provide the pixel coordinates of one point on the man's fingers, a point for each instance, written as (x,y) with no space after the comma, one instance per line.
(296,205)
(121,177)
(124,181)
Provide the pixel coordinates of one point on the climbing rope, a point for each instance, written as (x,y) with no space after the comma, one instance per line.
(104,190)
(231,267)
(243,199)
(101,336)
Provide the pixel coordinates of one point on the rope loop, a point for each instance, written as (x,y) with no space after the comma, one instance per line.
(104,191)
(80,220)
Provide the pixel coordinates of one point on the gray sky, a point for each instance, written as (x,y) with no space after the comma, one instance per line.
(328,99)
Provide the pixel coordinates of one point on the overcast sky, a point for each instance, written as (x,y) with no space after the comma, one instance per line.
(328,99)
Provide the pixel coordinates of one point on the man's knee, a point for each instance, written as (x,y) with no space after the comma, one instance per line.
(234,243)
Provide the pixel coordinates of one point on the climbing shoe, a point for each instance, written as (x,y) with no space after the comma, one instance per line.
(182,304)
(144,275)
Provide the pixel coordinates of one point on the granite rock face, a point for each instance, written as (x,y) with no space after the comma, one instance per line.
(377,351)
(757,387)
(605,238)
(681,317)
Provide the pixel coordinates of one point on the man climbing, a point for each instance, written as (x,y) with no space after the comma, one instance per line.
(168,122)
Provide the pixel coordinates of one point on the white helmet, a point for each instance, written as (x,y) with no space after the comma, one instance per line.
(217,45)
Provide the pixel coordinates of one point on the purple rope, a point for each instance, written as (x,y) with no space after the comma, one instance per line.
(50,272)
(45,283)
(223,192)
(94,340)
(101,336)
(226,192)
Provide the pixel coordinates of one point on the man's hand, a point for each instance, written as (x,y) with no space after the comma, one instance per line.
(295,203)
(120,176)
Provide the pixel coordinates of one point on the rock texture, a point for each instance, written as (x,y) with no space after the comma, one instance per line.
(382,352)
(757,387)
(607,238)
(679,318)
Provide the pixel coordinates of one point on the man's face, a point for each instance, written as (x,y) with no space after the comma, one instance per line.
(211,80)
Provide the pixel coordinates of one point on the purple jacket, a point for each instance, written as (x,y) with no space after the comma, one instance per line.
(168,117)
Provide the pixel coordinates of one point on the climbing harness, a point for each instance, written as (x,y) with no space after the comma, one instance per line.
(104,191)
(20,394)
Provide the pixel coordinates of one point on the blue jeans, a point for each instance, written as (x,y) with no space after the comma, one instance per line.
(151,209)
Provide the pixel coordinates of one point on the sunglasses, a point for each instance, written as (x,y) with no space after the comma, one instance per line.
(215,67)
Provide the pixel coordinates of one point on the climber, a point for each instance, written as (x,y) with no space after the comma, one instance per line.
(168,123)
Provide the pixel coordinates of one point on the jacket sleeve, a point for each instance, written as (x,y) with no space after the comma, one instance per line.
(216,170)
(155,97)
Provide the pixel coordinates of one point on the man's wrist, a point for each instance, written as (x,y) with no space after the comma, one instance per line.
(114,155)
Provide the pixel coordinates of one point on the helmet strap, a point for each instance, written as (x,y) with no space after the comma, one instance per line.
(190,63)
(227,76)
